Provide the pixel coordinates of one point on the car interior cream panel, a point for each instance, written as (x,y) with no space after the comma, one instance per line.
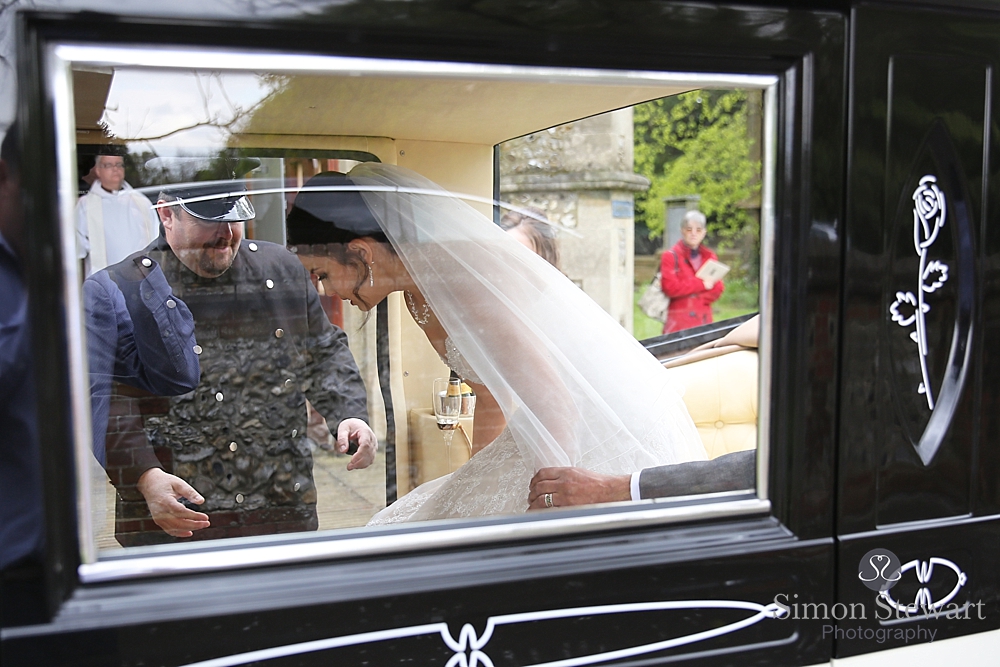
(384,148)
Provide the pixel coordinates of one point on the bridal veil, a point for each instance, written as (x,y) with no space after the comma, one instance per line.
(575,387)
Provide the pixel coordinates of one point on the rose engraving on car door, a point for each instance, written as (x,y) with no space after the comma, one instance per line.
(929,215)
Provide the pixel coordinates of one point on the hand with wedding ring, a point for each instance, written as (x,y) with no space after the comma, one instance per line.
(563,487)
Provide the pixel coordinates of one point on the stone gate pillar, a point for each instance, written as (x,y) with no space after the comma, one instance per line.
(581,175)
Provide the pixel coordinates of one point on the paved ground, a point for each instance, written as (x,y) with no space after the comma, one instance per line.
(346,498)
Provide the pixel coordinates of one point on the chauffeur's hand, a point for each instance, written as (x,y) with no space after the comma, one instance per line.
(576,486)
(161,491)
(357,431)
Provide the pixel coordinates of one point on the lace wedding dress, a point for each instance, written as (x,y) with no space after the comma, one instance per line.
(494,481)
(575,388)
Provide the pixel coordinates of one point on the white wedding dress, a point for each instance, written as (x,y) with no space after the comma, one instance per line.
(494,481)
(575,388)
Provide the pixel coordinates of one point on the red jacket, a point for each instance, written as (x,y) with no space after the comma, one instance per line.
(690,302)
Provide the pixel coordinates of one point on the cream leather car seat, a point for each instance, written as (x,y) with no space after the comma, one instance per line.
(720,389)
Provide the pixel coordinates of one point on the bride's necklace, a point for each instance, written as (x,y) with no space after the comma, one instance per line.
(424,315)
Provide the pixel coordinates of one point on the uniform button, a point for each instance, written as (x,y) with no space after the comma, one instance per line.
(233,446)
(297,486)
(239,497)
(278,333)
(288,382)
(219,396)
(253,247)
(197,349)
(171,303)
(269,283)
(147,262)
(295,432)
(720,424)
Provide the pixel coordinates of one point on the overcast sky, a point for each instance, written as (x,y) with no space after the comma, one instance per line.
(149,103)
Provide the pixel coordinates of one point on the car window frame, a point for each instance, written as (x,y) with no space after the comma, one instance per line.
(272,550)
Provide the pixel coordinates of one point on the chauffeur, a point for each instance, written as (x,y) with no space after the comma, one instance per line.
(237,445)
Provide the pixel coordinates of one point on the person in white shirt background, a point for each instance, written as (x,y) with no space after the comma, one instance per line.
(112,219)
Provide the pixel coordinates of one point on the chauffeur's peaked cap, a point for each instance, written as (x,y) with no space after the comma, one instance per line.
(221,200)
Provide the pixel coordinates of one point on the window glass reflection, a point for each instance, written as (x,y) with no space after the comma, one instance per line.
(636,178)
(238,243)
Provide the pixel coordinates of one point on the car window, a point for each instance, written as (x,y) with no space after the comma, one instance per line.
(325,294)
(687,160)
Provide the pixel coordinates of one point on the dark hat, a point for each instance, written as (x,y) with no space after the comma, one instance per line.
(221,200)
(328,199)
(112,150)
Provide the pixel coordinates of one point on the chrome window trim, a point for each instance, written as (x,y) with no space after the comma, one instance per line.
(765,348)
(60,59)
(61,88)
(215,59)
(388,543)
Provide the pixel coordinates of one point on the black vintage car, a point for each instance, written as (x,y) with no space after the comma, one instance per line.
(869,393)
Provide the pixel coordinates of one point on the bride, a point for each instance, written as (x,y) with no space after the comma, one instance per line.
(573,387)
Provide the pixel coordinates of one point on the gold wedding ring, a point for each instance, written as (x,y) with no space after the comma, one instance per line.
(548,500)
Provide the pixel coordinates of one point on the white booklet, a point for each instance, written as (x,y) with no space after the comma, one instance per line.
(712,269)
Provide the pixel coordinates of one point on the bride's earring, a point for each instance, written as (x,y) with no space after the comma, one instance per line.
(371,276)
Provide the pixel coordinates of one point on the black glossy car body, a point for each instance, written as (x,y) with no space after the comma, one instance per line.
(867,92)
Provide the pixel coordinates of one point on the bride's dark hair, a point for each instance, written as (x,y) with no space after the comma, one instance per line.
(331,219)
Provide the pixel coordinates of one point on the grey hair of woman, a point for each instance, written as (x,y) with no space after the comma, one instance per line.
(697,217)
(534,227)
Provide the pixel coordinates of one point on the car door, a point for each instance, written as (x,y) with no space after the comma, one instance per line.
(705,580)
(917,465)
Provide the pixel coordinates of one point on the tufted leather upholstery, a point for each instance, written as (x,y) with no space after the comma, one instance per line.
(720,389)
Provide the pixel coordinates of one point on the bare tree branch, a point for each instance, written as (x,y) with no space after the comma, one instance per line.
(222,89)
(238,116)
(207,123)
(8,4)
(204,96)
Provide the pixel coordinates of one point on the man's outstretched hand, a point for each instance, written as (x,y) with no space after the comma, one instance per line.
(576,486)
(356,430)
(161,491)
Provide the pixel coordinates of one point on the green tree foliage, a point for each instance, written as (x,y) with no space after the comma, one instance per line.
(697,143)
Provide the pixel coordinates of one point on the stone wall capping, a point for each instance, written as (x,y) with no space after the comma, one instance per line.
(575,181)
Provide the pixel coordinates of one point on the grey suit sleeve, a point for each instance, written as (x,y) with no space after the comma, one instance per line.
(731,472)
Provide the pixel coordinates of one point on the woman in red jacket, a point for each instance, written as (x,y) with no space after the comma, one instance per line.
(690,297)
